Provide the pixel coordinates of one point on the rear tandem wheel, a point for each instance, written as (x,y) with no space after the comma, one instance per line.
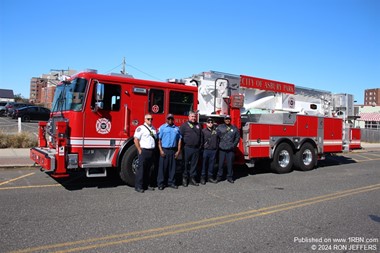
(306,157)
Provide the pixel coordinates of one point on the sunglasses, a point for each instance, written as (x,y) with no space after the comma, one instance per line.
(149,118)
(210,122)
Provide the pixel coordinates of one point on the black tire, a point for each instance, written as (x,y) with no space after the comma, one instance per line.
(283,158)
(25,118)
(306,157)
(129,165)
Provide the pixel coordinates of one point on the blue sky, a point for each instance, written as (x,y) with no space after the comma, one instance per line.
(324,44)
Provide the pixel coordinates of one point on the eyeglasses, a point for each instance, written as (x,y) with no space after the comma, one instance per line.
(170,118)
(149,118)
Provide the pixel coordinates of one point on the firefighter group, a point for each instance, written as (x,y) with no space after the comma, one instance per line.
(194,141)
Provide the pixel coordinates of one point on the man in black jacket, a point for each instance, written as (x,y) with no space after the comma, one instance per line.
(229,138)
(191,137)
(210,147)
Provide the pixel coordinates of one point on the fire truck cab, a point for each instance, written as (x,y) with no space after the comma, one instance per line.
(94,117)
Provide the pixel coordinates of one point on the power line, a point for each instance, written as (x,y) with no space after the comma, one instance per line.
(114,68)
(144,72)
(129,65)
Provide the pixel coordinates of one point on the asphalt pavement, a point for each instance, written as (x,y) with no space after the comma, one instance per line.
(334,208)
(19,157)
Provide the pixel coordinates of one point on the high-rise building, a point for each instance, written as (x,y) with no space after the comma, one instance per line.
(42,88)
(36,85)
(48,96)
(372,97)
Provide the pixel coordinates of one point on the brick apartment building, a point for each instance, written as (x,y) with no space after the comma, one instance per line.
(42,88)
(372,97)
(36,85)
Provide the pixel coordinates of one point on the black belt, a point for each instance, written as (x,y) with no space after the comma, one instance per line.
(175,148)
(190,146)
(149,149)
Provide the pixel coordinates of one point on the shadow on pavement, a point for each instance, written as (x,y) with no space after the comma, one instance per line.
(79,181)
(333,160)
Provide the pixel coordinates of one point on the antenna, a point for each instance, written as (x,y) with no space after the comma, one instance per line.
(123,70)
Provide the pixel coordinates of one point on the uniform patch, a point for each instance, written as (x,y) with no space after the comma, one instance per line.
(138,129)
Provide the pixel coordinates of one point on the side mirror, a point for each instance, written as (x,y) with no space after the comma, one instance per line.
(99,95)
(99,91)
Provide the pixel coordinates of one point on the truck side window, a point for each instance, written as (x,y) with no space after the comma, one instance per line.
(112,97)
(181,103)
(156,101)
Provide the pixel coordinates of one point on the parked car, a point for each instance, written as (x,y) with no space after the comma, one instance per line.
(32,113)
(2,108)
(11,106)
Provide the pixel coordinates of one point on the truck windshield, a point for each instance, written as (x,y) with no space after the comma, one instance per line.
(70,96)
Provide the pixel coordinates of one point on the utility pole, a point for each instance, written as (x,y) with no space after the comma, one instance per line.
(123,70)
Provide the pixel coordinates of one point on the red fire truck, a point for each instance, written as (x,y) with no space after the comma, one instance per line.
(94,117)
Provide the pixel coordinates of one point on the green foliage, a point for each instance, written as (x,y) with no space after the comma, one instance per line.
(19,140)
(20,99)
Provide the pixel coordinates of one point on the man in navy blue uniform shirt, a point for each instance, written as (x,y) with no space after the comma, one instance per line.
(191,137)
(210,147)
(228,140)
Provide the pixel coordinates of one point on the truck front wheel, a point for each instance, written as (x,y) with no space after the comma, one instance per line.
(283,158)
(129,165)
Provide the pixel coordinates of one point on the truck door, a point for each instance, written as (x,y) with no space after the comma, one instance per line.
(144,100)
(103,127)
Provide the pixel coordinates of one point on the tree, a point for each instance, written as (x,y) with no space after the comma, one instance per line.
(20,99)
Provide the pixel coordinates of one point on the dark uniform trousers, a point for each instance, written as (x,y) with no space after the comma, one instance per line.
(167,165)
(208,163)
(229,156)
(191,162)
(146,159)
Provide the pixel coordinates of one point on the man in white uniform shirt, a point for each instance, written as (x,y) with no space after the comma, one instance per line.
(145,141)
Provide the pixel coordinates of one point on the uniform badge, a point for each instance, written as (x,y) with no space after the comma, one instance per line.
(138,129)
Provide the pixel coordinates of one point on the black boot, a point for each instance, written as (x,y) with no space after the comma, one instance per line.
(211,180)
(185,183)
(194,182)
